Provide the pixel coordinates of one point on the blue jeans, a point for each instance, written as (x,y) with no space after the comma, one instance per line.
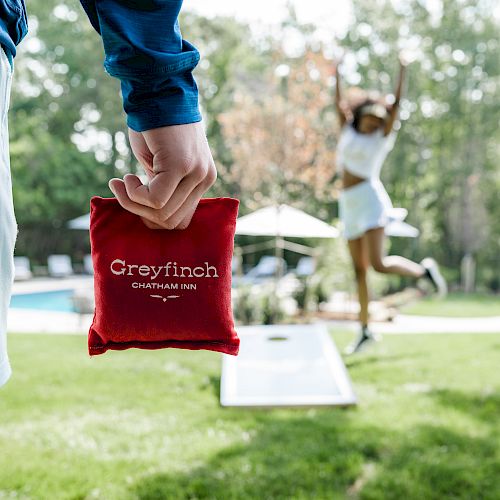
(8,225)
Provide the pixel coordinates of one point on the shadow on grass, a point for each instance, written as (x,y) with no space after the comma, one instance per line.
(436,463)
(283,457)
(485,407)
(326,455)
(214,382)
(356,360)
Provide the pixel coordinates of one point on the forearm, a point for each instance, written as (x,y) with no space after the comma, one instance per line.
(339,104)
(338,92)
(399,87)
(144,49)
(393,115)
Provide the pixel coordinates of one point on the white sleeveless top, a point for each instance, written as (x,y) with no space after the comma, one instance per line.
(363,154)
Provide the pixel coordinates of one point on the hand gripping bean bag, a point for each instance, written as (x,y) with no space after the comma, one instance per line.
(157,288)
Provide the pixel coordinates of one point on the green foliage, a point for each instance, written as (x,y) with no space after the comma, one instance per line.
(272,308)
(68,133)
(60,93)
(313,290)
(67,126)
(457,305)
(302,295)
(229,56)
(247,309)
(258,304)
(444,168)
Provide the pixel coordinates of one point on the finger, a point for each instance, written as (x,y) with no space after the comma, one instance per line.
(183,216)
(137,191)
(184,223)
(161,188)
(186,211)
(151,225)
(117,186)
(182,191)
(148,223)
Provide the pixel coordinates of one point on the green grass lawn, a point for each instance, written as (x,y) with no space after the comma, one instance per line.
(456,305)
(148,425)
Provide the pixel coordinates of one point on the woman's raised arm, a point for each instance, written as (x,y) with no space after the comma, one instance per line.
(341,106)
(393,112)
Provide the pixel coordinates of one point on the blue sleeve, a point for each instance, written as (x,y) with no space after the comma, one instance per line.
(145,50)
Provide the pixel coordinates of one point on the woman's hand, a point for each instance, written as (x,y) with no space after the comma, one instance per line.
(342,108)
(336,63)
(404,59)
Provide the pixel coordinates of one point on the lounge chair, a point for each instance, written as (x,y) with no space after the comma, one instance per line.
(59,266)
(88,266)
(22,270)
(305,267)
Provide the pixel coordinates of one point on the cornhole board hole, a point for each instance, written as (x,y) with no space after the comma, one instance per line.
(285,365)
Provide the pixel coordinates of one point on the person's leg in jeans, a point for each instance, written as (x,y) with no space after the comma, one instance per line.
(8,226)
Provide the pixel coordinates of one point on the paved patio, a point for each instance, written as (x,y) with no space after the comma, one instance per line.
(37,321)
(31,321)
(51,284)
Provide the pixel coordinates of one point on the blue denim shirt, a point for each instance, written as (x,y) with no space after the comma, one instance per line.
(144,49)
(13,26)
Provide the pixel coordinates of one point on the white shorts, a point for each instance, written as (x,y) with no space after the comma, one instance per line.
(8,226)
(365,206)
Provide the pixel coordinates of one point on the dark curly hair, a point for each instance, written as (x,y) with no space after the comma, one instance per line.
(356,112)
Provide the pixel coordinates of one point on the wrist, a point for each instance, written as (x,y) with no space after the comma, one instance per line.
(155,105)
(140,122)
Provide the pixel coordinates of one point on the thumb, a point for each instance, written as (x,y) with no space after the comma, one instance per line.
(116,186)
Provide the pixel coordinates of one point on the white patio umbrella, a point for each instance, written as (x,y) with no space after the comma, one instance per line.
(280,222)
(397,226)
(284,221)
(82,222)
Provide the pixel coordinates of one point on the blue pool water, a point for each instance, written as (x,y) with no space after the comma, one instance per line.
(58,300)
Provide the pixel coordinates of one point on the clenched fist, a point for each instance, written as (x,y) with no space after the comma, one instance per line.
(180,169)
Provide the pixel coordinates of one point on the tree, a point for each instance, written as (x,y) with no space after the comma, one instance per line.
(67,126)
(449,131)
(283,138)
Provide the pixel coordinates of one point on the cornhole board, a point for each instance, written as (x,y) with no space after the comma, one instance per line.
(285,365)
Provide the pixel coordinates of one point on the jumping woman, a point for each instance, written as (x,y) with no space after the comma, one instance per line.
(367,136)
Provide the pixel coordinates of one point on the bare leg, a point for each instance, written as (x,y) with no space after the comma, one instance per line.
(359,254)
(393,264)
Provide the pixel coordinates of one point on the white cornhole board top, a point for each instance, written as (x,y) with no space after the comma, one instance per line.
(302,369)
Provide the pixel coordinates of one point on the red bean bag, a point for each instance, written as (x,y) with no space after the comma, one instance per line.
(157,288)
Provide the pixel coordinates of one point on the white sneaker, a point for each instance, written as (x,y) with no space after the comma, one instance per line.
(433,273)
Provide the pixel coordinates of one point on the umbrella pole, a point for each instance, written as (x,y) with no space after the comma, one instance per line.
(278,252)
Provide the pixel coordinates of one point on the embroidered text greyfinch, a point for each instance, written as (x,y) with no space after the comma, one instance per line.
(168,270)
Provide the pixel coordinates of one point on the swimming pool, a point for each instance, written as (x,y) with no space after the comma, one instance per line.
(57,300)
